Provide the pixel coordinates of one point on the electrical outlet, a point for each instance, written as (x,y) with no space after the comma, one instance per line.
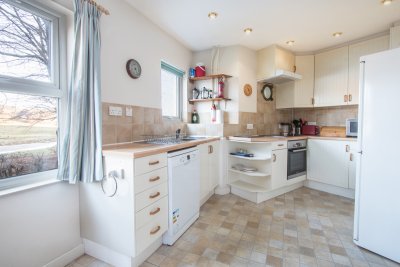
(249,126)
(115,111)
(128,112)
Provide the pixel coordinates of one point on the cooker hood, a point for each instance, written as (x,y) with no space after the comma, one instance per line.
(282,76)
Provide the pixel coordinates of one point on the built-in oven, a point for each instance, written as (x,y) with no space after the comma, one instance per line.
(297,158)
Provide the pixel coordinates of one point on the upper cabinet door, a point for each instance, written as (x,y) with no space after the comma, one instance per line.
(304,88)
(284,60)
(355,52)
(331,77)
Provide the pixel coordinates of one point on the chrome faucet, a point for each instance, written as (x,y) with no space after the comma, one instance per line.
(177,133)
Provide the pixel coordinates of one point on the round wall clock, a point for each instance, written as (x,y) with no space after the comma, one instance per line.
(267,92)
(247,89)
(133,68)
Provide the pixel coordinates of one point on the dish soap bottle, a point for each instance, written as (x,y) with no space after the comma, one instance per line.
(195,117)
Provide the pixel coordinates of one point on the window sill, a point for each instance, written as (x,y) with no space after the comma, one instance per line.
(22,188)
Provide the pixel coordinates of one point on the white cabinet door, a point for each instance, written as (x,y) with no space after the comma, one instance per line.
(304,88)
(284,60)
(204,169)
(352,158)
(327,162)
(214,164)
(284,95)
(279,168)
(331,77)
(355,52)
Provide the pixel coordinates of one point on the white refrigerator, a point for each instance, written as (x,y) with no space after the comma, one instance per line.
(377,202)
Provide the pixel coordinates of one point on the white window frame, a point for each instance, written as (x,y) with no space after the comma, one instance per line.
(56,88)
(180,77)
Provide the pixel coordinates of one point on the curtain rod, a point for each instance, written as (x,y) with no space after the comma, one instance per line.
(99,7)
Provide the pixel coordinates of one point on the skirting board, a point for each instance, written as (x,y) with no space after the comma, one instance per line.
(68,257)
(344,192)
(260,197)
(117,259)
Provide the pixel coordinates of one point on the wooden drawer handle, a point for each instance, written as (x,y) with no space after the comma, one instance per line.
(151,163)
(155,211)
(155,195)
(154,179)
(154,231)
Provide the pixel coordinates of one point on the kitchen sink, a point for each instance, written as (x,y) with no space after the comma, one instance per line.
(256,136)
(192,138)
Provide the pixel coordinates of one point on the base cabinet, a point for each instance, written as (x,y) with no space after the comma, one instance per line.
(209,169)
(331,162)
(279,168)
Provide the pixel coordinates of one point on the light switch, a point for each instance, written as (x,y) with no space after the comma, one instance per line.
(128,112)
(250,126)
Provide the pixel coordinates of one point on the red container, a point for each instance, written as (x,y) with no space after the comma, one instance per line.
(310,130)
(200,71)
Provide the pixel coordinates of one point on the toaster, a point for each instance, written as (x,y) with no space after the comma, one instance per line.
(310,130)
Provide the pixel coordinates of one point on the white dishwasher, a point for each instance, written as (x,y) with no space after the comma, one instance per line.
(183,192)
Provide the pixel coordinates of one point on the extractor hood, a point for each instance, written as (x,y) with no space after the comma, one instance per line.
(282,76)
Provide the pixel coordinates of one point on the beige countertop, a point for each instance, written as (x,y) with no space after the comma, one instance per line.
(139,150)
(288,138)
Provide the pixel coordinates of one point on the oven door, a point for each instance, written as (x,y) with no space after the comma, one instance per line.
(297,162)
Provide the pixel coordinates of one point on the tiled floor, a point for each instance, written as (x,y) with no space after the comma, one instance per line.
(301,228)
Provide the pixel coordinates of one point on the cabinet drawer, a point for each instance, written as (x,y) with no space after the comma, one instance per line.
(279,145)
(150,196)
(150,163)
(150,232)
(150,179)
(155,211)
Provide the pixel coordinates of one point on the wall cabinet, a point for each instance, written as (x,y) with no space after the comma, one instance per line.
(209,169)
(298,94)
(355,52)
(332,162)
(271,59)
(331,77)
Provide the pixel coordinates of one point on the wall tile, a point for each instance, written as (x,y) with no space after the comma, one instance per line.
(109,133)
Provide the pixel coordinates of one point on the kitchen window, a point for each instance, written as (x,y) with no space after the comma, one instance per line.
(31,41)
(171,91)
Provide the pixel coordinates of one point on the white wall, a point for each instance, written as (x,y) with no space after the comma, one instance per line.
(126,34)
(39,225)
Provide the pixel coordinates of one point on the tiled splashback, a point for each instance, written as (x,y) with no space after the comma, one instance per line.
(144,121)
(332,116)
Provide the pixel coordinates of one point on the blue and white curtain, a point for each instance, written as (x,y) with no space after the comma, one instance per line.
(80,153)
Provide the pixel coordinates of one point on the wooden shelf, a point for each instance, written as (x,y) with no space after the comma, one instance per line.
(248,186)
(254,174)
(250,158)
(208,100)
(210,77)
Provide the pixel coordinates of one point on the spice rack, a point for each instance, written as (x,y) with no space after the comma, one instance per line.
(209,77)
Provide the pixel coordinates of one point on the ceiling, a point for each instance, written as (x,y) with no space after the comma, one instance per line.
(309,22)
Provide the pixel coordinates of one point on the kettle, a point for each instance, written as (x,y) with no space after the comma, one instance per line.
(196,93)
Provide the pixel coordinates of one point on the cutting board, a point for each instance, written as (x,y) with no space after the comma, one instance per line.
(333,131)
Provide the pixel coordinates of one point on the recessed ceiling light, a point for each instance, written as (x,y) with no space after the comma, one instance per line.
(212,15)
(386,2)
(248,30)
(290,43)
(337,34)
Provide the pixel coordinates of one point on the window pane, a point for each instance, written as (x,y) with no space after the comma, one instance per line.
(28,134)
(169,94)
(25,44)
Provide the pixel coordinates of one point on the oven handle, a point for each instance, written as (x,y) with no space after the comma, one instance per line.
(298,150)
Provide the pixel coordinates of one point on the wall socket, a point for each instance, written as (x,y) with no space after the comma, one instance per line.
(250,126)
(128,112)
(114,111)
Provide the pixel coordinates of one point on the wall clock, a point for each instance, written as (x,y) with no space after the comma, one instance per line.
(267,92)
(247,89)
(133,68)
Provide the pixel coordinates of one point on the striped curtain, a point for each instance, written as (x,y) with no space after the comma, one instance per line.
(80,152)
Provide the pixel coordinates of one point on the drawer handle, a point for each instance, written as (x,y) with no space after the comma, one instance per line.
(155,195)
(154,212)
(154,179)
(151,163)
(154,231)
(281,145)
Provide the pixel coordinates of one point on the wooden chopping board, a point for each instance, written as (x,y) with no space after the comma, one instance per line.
(333,131)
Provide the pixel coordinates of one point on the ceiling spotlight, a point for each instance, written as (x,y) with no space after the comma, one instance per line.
(290,43)
(337,34)
(386,2)
(212,15)
(248,30)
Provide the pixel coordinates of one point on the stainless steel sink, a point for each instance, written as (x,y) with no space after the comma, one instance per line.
(192,138)
(256,136)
